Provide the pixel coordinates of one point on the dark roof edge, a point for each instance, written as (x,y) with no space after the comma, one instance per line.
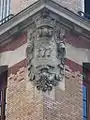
(39,5)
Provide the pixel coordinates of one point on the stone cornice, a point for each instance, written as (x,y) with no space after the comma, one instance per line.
(24,18)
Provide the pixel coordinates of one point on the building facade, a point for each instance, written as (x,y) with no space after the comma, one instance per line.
(74,5)
(32,44)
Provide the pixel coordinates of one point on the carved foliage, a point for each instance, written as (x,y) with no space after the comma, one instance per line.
(46,53)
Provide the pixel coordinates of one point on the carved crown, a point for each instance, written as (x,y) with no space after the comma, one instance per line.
(45,22)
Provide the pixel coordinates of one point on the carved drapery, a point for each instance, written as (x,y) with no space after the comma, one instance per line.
(46,53)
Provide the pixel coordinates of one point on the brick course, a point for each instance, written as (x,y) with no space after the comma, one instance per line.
(71,38)
(24,102)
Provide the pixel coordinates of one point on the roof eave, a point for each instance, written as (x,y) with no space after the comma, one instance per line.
(36,7)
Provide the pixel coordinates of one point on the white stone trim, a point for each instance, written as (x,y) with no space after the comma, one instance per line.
(13,57)
(77,55)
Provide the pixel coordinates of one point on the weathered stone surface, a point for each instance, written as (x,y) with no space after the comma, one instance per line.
(46,52)
(73,5)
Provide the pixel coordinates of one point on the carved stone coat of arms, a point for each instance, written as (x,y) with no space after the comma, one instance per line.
(46,53)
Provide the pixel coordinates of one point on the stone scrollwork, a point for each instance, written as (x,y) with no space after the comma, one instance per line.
(46,53)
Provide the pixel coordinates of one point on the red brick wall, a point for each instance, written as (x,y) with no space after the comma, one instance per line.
(23,103)
(14,43)
(71,38)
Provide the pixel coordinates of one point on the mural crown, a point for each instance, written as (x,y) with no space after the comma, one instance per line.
(45,20)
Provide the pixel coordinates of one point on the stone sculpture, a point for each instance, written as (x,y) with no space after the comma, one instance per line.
(46,53)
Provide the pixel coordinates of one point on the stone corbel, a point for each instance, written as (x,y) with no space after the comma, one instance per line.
(46,53)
